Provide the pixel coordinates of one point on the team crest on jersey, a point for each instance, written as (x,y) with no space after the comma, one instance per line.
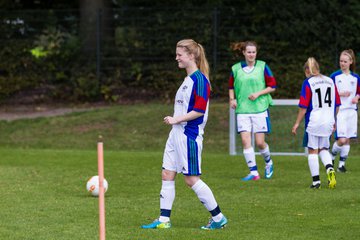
(180,101)
(184,88)
(352,83)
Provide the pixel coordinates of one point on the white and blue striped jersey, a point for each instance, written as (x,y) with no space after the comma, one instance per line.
(193,94)
(347,82)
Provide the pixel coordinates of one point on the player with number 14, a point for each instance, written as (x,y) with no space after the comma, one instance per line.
(319,102)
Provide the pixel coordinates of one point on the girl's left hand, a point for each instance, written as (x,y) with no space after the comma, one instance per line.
(355,100)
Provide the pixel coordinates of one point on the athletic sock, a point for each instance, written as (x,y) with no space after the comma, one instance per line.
(167,197)
(207,198)
(216,214)
(341,162)
(313,161)
(250,159)
(266,155)
(344,153)
(316,180)
(335,149)
(325,157)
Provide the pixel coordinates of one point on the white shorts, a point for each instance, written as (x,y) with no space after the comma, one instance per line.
(256,123)
(316,142)
(346,124)
(182,154)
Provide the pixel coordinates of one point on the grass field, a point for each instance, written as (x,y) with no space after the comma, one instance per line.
(45,163)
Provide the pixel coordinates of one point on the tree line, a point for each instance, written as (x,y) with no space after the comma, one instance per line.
(126,49)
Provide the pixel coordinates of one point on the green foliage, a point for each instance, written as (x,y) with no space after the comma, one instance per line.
(44,59)
(286,39)
(136,56)
(62,64)
(87,87)
(18,71)
(52,41)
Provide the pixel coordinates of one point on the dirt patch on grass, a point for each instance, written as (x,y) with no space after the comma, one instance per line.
(14,112)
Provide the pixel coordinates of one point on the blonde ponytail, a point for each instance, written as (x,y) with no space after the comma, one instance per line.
(202,62)
(312,66)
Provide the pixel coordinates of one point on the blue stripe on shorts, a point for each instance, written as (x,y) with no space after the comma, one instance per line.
(193,158)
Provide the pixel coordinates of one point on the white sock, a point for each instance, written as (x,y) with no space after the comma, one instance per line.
(341,164)
(266,155)
(325,157)
(218,217)
(167,197)
(250,159)
(344,153)
(336,148)
(207,198)
(313,161)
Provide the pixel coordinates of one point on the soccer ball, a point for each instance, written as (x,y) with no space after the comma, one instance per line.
(92,185)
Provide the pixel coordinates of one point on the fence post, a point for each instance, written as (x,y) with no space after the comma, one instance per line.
(215,32)
(98,47)
(232,132)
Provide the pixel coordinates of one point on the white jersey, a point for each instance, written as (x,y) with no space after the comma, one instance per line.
(320,97)
(184,146)
(193,94)
(347,82)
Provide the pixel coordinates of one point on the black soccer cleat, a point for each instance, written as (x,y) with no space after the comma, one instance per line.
(341,169)
(316,186)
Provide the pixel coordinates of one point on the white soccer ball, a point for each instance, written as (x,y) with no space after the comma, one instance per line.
(92,185)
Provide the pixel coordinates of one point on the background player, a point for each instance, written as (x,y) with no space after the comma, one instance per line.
(319,101)
(348,85)
(184,146)
(250,84)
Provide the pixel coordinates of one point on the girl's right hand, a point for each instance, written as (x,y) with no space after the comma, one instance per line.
(233,103)
(294,128)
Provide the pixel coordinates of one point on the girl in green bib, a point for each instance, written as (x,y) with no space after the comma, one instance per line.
(250,84)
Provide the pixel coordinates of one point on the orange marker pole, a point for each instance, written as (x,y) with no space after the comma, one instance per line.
(100,151)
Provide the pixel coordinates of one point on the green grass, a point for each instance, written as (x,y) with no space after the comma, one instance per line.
(140,128)
(45,163)
(44,197)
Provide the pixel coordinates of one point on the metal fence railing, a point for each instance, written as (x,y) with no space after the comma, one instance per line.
(281,141)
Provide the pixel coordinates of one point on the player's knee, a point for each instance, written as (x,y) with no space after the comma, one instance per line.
(261,145)
(191,180)
(167,175)
(246,143)
(342,141)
